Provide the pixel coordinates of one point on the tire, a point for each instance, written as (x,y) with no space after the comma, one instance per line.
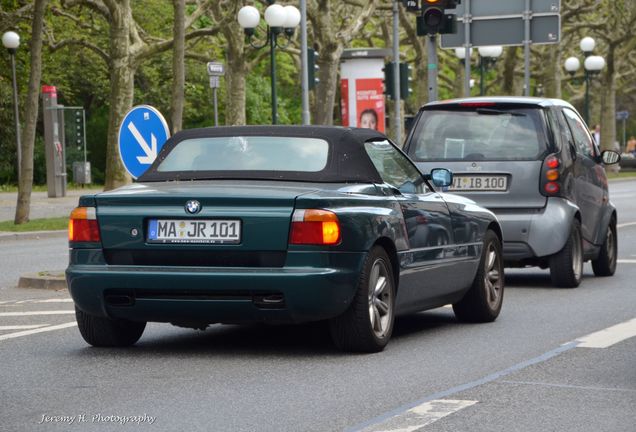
(482,302)
(367,324)
(566,266)
(605,263)
(106,332)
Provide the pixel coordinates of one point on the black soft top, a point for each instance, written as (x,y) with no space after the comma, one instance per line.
(347,162)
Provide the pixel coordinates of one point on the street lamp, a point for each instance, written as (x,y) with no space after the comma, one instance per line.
(592,65)
(11,41)
(488,55)
(281,20)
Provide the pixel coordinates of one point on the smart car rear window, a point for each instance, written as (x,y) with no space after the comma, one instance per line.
(491,133)
(247,153)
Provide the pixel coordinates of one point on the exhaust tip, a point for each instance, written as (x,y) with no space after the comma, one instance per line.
(269,301)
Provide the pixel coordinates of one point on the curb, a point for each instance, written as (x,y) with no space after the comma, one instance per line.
(31,235)
(48,280)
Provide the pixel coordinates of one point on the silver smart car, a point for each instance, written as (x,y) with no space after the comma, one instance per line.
(533,162)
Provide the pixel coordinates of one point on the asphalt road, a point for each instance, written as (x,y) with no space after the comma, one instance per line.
(520,373)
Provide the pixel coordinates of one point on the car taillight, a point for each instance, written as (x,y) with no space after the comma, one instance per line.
(552,174)
(314,227)
(82,226)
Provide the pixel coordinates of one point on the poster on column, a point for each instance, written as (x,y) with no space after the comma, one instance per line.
(370,104)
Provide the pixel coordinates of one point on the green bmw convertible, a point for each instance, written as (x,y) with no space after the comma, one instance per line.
(281,224)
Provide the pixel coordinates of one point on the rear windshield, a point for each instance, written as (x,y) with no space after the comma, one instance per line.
(488,133)
(247,153)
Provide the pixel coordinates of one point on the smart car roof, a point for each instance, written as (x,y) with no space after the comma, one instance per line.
(348,161)
(511,100)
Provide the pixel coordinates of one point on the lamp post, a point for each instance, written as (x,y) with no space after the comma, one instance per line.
(488,55)
(281,20)
(11,41)
(592,66)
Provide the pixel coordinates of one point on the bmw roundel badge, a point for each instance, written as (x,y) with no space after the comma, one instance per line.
(193,206)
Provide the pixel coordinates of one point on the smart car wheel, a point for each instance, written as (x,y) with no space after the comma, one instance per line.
(482,302)
(106,332)
(368,323)
(566,266)
(605,263)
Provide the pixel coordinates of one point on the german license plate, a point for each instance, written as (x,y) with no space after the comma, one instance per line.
(194,231)
(479,183)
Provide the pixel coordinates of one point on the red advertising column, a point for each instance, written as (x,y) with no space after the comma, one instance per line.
(361,88)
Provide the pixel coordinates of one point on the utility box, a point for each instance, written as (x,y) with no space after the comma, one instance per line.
(54,143)
(82,173)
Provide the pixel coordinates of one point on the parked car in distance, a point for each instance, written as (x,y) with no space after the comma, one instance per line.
(534,163)
(281,225)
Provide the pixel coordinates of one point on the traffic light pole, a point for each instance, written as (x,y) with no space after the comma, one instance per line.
(396,73)
(467,20)
(432,67)
(304,78)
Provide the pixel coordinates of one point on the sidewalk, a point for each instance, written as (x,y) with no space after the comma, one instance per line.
(41,205)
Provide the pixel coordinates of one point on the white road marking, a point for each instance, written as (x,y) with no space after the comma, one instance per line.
(30,313)
(40,330)
(55,300)
(22,327)
(626,261)
(623,225)
(609,336)
(420,416)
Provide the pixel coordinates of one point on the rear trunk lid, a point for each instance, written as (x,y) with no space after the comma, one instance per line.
(130,217)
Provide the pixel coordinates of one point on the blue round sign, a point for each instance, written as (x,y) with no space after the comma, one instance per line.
(141,135)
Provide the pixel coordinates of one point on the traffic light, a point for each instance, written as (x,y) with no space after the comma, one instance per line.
(405,80)
(389,80)
(312,68)
(434,18)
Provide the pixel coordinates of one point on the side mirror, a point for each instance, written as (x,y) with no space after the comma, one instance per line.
(441,177)
(610,157)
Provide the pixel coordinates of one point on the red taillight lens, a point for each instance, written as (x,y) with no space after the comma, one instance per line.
(82,226)
(552,162)
(552,187)
(315,227)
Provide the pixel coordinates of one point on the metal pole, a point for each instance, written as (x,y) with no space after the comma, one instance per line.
(624,134)
(481,76)
(467,20)
(432,68)
(527,16)
(84,127)
(272,57)
(304,63)
(586,108)
(16,114)
(396,73)
(216,110)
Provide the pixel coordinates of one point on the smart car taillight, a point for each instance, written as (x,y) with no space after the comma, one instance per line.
(314,227)
(551,175)
(82,226)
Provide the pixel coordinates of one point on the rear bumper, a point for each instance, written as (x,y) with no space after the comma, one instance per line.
(535,233)
(199,295)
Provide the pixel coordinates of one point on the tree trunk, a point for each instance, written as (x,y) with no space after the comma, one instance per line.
(508,87)
(235,114)
(552,73)
(329,64)
(25,182)
(122,76)
(178,67)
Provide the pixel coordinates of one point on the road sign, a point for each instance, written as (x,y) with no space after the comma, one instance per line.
(216,69)
(141,135)
(622,115)
(496,22)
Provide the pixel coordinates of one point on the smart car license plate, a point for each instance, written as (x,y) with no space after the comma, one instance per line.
(479,183)
(194,231)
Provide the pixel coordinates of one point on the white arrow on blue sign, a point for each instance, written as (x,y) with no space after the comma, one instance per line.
(141,135)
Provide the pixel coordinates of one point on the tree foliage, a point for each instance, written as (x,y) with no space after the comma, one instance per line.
(107,55)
